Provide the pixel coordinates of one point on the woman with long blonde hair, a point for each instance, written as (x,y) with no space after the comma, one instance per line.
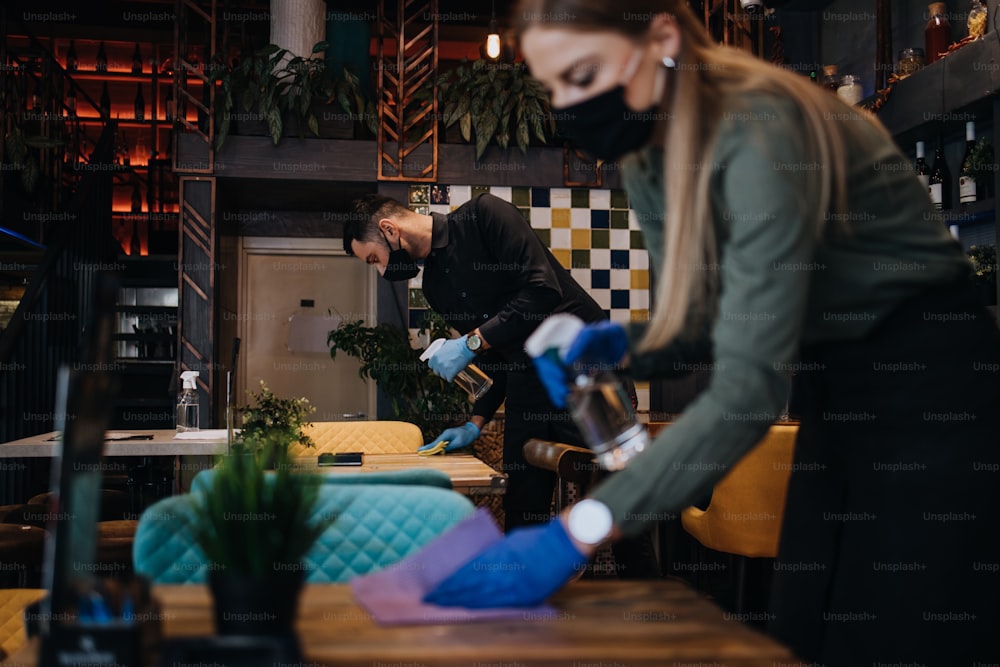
(786,233)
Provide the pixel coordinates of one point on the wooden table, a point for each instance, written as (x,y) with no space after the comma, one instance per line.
(468,474)
(613,624)
(162,443)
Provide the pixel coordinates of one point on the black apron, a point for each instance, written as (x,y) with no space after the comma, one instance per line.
(890,548)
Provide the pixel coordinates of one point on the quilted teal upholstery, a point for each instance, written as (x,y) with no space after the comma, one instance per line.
(376,525)
(414,476)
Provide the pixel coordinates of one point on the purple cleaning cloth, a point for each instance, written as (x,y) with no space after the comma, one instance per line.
(394,595)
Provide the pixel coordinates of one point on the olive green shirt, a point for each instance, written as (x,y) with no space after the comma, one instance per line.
(782,284)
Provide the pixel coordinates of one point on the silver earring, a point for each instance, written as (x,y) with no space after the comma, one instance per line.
(669,62)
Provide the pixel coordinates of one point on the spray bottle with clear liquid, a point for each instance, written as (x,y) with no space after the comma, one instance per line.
(187,403)
(471,379)
(598,403)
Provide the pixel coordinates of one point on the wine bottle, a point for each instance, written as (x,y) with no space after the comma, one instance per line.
(968,193)
(140,103)
(923,171)
(136,60)
(102,59)
(136,197)
(71,61)
(105,101)
(940,181)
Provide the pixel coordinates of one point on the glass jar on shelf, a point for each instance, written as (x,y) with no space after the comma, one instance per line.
(977,19)
(910,60)
(937,32)
(850,89)
(831,80)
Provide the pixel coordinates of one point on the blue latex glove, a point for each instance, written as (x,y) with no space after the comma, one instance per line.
(450,358)
(521,570)
(555,377)
(598,346)
(457,438)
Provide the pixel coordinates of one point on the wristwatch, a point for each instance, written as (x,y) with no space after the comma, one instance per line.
(474,342)
(590,521)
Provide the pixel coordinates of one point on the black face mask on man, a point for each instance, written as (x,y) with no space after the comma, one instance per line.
(401,265)
(604,125)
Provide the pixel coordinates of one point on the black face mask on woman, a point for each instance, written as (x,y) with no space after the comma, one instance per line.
(604,125)
(400,265)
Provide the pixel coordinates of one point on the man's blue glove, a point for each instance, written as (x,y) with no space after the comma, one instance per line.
(521,570)
(457,438)
(598,346)
(450,358)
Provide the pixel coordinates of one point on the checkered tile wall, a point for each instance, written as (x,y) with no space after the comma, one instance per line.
(592,232)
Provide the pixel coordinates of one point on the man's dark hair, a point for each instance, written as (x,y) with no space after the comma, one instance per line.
(362,225)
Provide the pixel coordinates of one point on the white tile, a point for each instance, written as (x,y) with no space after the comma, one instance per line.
(600,199)
(579,218)
(561,239)
(633,220)
(620,279)
(620,239)
(501,191)
(417,281)
(541,217)
(582,276)
(638,259)
(600,259)
(620,315)
(460,194)
(642,398)
(559,198)
(639,299)
(602,297)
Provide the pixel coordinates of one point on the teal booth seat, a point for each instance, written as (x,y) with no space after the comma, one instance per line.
(376,525)
(413,476)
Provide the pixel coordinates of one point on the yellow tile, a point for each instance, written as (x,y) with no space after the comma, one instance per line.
(560,217)
(564,256)
(639,314)
(639,278)
(580,239)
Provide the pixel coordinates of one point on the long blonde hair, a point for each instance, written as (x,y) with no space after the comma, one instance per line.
(707,77)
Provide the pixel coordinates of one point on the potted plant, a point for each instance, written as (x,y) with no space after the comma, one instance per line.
(255,525)
(984,266)
(495,102)
(387,357)
(280,89)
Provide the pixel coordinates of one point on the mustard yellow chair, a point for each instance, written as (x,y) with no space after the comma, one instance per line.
(747,507)
(13,602)
(371,437)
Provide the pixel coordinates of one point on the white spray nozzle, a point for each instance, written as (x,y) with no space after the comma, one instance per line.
(432,348)
(188,377)
(556,332)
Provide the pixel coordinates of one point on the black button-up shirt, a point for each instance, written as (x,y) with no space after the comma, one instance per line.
(487,268)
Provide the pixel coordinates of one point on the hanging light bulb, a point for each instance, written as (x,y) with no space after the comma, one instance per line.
(493,37)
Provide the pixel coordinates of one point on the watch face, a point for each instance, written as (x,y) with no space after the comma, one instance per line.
(473,342)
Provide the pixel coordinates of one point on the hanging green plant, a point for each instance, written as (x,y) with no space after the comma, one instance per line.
(495,102)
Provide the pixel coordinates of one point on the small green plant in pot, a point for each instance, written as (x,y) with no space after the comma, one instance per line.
(984,267)
(256,525)
(274,423)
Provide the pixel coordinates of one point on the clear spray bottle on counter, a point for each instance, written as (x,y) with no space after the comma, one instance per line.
(187,403)
(598,403)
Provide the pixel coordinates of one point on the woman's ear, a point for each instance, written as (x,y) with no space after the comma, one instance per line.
(665,36)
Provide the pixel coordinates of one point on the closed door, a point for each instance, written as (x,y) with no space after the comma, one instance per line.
(292,298)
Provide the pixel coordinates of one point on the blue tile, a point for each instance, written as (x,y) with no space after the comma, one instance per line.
(619,298)
(416,314)
(619,259)
(540,197)
(600,219)
(600,279)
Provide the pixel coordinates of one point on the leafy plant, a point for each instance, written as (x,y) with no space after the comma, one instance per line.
(254,521)
(273,424)
(274,84)
(981,164)
(497,102)
(387,357)
(984,262)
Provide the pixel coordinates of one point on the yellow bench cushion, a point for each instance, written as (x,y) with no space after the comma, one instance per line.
(13,601)
(371,437)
